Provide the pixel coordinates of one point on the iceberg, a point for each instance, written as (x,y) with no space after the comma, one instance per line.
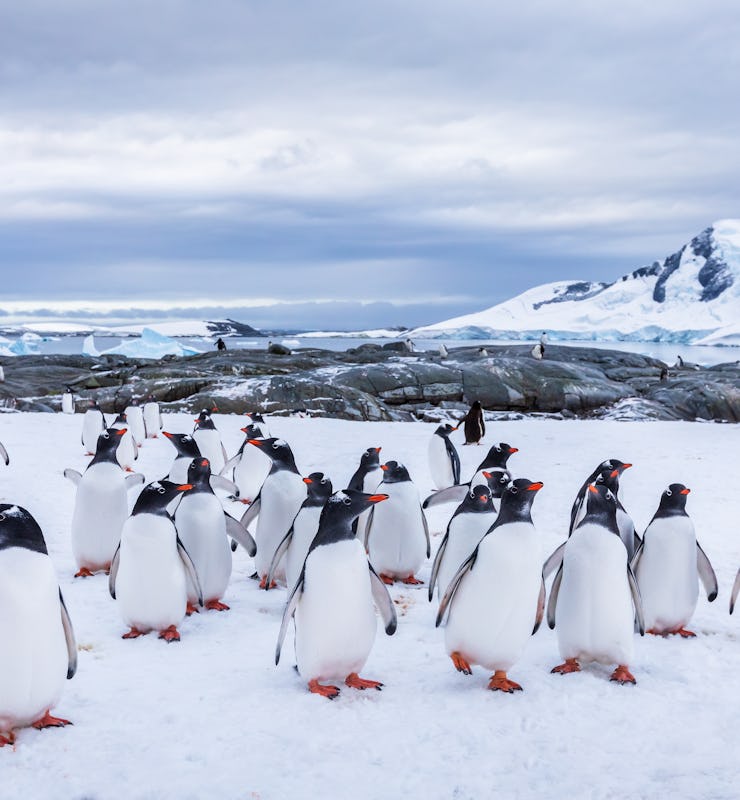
(151,344)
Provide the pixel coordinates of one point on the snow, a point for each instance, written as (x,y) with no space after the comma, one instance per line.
(378,333)
(151,344)
(213,717)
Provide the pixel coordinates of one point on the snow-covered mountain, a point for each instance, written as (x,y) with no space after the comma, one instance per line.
(691,296)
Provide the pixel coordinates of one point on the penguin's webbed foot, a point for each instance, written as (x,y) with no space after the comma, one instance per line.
(622,675)
(170,634)
(387,579)
(570,665)
(83,572)
(191,608)
(354,681)
(412,581)
(461,664)
(684,634)
(263,583)
(216,605)
(134,633)
(47,721)
(329,692)
(8,738)
(500,683)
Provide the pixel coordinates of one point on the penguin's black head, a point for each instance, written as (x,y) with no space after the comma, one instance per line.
(257,418)
(184,444)
(393,472)
(278,451)
(609,477)
(613,465)
(370,459)
(516,501)
(340,511)
(19,529)
(120,419)
(498,456)
(319,489)
(497,481)
(156,496)
(476,406)
(204,421)
(252,431)
(477,501)
(673,500)
(199,471)
(601,507)
(445,430)
(108,442)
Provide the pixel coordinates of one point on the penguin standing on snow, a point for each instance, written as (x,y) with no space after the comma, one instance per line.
(38,643)
(68,401)
(594,598)
(496,598)
(127,451)
(135,421)
(334,601)
(209,441)
(152,418)
(151,567)
(397,535)
(668,566)
(249,467)
(93,424)
(367,476)
(474,425)
(444,462)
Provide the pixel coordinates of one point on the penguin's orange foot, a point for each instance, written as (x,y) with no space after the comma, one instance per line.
(386,579)
(244,500)
(134,633)
(354,681)
(329,692)
(500,683)
(7,739)
(47,721)
(127,469)
(216,605)
(622,675)
(411,580)
(684,634)
(170,634)
(655,632)
(461,664)
(263,583)
(83,572)
(191,609)
(570,665)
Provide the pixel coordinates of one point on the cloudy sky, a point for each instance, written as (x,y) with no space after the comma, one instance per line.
(409,161)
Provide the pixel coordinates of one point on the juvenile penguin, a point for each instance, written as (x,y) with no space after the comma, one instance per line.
(668,566)
(397,535)
(38,643)
(365,479)
(209,441)
(474,425)
(496,598)
(151,568)
(152,418)
(250,466)
(101,506)
(127,452)
(135,422)
(279,500)
(204,527)
(93,424)
(333,601)
(594,598)
(444,462)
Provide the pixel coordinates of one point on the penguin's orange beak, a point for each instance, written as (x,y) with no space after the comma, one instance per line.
(378,449)
(592,489)
(307,480)
(483,498)
(513,449)
(205,463)
(384,467)
(168,435)
(121,431)
(486,475)
(535,487)
(256,442)
(243,430)
(377,498)
(186,487)
(626,466)
(685,491)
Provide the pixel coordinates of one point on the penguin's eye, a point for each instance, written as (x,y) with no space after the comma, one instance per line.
(2,517)
(503,480)
(668,492)
(161,490)
(498,449)
(186,438)
(346,501)
(514,490)
(607,464)
(275,446)
(323,481)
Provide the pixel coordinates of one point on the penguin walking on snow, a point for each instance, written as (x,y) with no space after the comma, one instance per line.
(496,598)
(474,424)
(38,642)
(93,424)
(366,477)
(152,418)
(151,568)
(333,601)
(209,441)
(594,598)
(668,565)
(444,461)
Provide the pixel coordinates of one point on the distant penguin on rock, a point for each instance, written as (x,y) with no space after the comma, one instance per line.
(538,351)
(444,461)
(474,424)
(365,479)
(443,352)
(93,424)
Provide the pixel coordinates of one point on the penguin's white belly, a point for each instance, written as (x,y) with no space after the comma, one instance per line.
(369,486)
(466,530)
(202,529)
(667,574)
(305,528)
(34,650)
(493,612)
(209,444)
(439,463)
(335,618)
(135,422)
(101,508)
(152,420)
(151,583)
(594,614)
(68,403)
(397,543)
(92,427)
(251,471)
(179,469)
(126,451)
(281,497)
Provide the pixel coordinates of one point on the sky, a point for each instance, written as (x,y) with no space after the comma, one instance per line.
(343,165)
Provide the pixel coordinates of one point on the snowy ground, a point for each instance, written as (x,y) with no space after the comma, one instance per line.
(212,717)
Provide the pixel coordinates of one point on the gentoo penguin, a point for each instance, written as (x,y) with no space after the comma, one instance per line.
(255,418)
(444,462)
(496,598)
(577,511)
(151,567)
(209,441)
(594,592)
(442,348)
(277,503)
(204,527)
(187,449)
(397,535)
(93,424)
(297,540)
(333,601)
(470,522)
(152,418)
(538,351)
(135,422)
(249,467)
(38,643)
(68,401)
(127,452)
(365,479)
(101,506)
(474,425)
(668,565)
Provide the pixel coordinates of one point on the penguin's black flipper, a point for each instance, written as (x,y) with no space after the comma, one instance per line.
(280,551)
(553,562)
(553,601)
(576,507)
(219,482)
(452,588)
(252,512)
(540,607)
(113,572)
(192,573)
(706,573)
(454,460)
(426,531)
(735,590)
(637,556)
(240,534)
(72,475)
(383,601)
(452,494)
(636,600)
(69,637)
(290,608)
(438,563)
(4,454)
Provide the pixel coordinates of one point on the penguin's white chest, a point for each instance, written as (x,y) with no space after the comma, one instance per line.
(251,471)
(92,427)
(126,452)
(281,497)
(440,465)
(135,422)
(179,469)
(667,573)
(209,444)
(493,612)
(68,403)
(305,528)
(335,618)
(397,542)
(465,531)
(369,486)
(34,651)
(152,420)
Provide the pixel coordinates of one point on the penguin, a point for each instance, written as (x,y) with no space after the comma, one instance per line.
(474,425)
(93,424)
(204,527)
(68,401)
(333,601)
(152,418)
(482,352)
(397,535)
(38,641)
(496,598)
(255,418)
(127,452)
(151,567)
(101,506)
(444,462)
(4,454)
(443,352)
(276,505)
(668,565)
(594,598)
(135,422)
(187,449)
(249,466)
(538,351)
(469,524)
(209,442)
(366,477)
(578,508)
(297,540)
